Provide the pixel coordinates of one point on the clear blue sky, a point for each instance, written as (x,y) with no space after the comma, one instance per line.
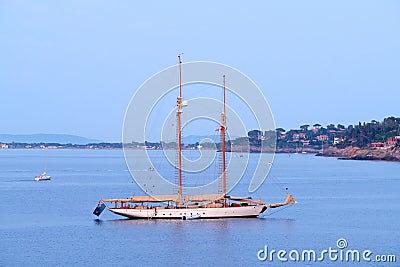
(72,66)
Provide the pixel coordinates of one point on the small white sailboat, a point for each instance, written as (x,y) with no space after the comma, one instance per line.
(43,176)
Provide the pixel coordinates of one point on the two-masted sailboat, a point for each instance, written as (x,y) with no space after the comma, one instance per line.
(193,206)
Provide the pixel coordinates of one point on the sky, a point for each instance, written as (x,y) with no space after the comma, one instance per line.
(72,66)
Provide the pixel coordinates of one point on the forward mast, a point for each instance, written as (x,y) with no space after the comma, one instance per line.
(223,149)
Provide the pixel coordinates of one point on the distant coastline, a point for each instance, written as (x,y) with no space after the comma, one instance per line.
(356,153)
(43,145)
(46,138)
(348,153)
(366,141)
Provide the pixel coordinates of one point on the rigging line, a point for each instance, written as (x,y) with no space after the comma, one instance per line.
(105,204)
(279,210)
(275,182)
(206,87)
(214,170)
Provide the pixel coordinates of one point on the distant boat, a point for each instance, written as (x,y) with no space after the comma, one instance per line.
(43,176)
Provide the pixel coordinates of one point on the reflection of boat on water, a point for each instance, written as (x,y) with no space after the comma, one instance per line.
(43,176)
(192,206)
(192,217)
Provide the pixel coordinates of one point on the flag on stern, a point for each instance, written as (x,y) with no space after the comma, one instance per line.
(99,209)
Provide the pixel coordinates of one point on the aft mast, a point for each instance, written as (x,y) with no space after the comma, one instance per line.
(44,159)
(178,131)
(223,129)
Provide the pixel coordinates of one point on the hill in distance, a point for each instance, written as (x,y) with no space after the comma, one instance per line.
(47,138)
(192,139)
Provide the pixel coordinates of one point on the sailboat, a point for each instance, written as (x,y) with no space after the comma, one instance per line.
(43,176)
(189,207)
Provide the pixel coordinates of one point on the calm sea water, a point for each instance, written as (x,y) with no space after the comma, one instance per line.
(51,222)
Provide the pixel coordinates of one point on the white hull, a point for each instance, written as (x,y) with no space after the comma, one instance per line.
(43,178)
(204,213)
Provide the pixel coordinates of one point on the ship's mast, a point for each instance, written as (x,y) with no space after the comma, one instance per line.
(44,159)
(223,129)
(178,130)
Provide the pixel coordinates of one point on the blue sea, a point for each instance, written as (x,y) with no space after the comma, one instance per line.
(50,223)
